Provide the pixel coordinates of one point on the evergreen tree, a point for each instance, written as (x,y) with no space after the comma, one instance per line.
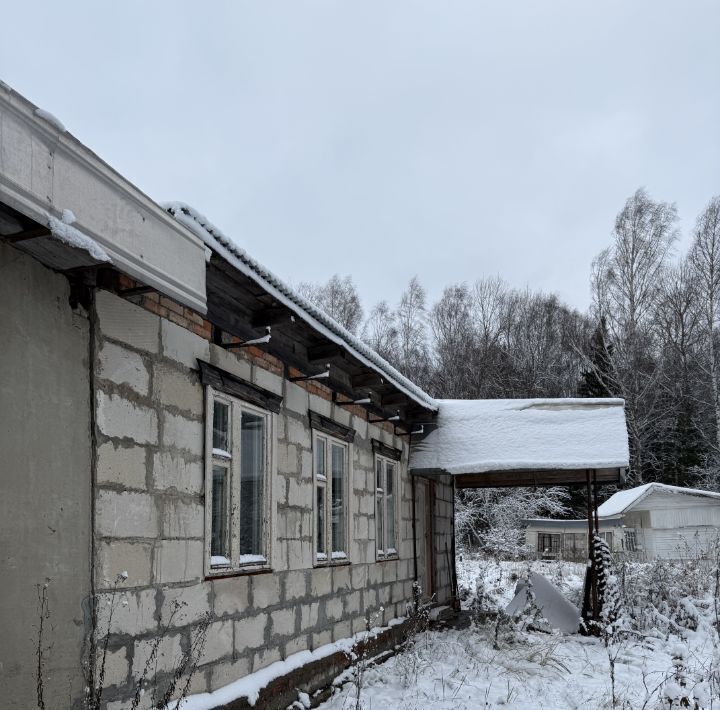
(596,380)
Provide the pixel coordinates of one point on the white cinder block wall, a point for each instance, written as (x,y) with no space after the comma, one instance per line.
(149,519)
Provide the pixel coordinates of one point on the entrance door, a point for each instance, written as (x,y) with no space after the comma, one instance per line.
(424,532)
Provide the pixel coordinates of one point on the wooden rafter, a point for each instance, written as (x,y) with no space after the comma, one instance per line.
(27,234)
(274,315)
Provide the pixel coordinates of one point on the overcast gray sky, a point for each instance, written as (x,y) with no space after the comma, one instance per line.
(446,139)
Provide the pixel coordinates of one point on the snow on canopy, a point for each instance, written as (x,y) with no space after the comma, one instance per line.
(311,314)
(622,501)
(477,436)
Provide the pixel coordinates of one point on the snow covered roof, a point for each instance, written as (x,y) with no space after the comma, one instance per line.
(476,436)
(315,317)
(622,501)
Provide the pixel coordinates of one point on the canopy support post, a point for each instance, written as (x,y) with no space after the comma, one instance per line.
(590,611)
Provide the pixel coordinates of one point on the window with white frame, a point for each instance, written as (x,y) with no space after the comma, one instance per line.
(549,543)
(330,498)
(386,486)
(236,484)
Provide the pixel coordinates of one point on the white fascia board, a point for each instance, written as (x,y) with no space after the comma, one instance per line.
(44,170)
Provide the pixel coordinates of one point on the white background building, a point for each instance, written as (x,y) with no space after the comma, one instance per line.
(650,521)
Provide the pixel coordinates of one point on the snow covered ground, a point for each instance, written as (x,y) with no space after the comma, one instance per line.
(467,669)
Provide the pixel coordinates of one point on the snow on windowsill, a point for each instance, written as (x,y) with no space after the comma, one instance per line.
(222,453)
(220,563)
(251,685)
(253,560)
(336,559)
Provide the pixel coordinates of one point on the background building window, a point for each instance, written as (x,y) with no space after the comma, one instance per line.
(548,543)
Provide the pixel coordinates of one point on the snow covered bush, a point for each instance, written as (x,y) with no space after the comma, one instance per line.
(663,596)
(685,689)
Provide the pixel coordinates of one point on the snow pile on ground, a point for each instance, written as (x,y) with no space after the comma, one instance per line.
(559,613)
(473,436)
(661,665)
(251,685)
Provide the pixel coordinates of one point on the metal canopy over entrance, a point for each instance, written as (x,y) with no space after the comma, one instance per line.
(523,442)
(527,443)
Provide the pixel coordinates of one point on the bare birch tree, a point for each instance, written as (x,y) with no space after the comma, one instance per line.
(380,332)
(677,430)
(626,282)
(413,350)
(705,261)
(453,336)
(338,298)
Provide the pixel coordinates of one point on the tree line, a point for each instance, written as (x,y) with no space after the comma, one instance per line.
(650,337)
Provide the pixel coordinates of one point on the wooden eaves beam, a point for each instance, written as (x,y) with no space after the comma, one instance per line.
(325,351)
(368,378)
(235,307)
(395,399)
(27,234)
(274,315)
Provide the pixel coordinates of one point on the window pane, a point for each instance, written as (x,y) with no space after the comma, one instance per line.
(219,531)
(379,517)
(320,467)
(338,498)
(549,543)
(378,474)
(320,523)
(221,419)
(390,506)
(252,476)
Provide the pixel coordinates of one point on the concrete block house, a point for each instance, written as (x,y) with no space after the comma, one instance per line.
(184,440)
(188,445)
